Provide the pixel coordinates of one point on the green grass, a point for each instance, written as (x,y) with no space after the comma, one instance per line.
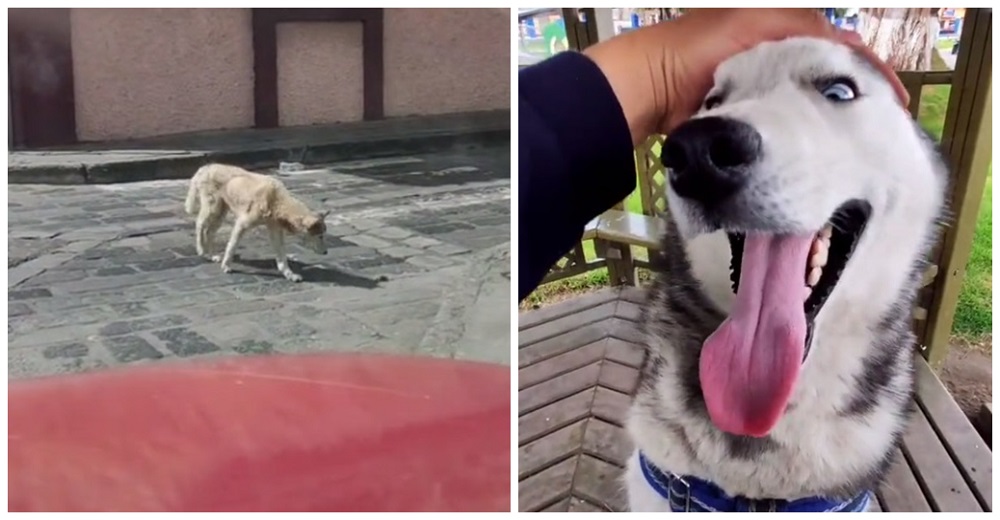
(537,46)
(933,105)
(551,292)
(974,315)
(934,101)
(567,287)
(945,44)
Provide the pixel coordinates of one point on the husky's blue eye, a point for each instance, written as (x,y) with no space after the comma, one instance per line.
(840,91)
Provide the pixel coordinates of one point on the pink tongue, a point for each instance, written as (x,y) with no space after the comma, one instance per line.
(749,365)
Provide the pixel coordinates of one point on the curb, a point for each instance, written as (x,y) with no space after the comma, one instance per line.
(184,165)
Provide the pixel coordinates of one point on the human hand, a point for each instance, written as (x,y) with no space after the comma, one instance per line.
(661,73)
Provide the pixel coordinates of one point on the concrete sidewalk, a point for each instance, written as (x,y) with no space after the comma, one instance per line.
(178,156)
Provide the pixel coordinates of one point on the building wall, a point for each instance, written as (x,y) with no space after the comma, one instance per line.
(446,60)
(146,72)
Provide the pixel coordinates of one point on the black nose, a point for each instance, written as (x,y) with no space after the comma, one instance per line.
(709,158)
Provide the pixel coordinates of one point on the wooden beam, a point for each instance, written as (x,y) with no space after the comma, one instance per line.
(915,88)
(265,69)
(604,23)
(373,58)
(968,142)
(928,77)
(581,27)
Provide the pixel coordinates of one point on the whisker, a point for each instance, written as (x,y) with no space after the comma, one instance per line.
(839,222)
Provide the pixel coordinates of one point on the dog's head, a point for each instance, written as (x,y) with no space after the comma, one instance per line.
(804,158)
(315,232)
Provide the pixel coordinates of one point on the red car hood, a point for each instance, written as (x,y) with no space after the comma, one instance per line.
(296,433)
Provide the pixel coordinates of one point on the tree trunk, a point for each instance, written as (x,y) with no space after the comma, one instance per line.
(903,37)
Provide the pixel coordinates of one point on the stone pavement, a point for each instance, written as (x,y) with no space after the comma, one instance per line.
(418,262)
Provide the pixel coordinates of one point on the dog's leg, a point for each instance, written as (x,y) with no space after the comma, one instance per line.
(278,244)
(239,227)
(199,235)
(206,214)
(212,227)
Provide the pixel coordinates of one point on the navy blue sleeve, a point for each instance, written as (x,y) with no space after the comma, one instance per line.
(575,159)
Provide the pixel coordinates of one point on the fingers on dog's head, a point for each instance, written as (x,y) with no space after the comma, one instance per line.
(853,40)
(868,56)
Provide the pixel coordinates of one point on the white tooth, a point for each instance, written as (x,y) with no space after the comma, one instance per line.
(826,232)
(814,275)
(805,294)
(818,259)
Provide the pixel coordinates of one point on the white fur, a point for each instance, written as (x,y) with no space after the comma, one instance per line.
(817,155)
(254,200)
(642,498)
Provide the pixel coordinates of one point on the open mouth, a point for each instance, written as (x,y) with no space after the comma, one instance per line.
(749,366)
(829,253)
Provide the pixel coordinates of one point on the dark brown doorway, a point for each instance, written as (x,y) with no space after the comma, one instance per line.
(40,83)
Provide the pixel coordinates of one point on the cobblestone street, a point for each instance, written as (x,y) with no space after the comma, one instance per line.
(106,275)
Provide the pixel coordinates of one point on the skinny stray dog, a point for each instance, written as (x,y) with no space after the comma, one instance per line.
(255,200)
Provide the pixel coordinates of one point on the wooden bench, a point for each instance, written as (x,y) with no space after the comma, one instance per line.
(623,227)
(578,364)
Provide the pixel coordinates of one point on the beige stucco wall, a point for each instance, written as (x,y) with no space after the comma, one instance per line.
(146,72)
(320,73)
(143,72)
(446,60)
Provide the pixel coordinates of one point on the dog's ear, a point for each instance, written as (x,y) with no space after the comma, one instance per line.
(323,214)
(316,226)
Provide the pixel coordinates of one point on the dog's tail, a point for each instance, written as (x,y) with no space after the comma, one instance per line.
(192,197)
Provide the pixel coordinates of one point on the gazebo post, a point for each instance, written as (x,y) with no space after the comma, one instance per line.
(967,142)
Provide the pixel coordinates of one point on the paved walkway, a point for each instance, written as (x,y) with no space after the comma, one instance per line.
(948,58)
(418,262)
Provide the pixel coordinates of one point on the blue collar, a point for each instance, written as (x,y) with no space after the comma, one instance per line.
(690,494)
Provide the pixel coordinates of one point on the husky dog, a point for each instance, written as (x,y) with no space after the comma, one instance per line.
(255,200)
(803,201)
